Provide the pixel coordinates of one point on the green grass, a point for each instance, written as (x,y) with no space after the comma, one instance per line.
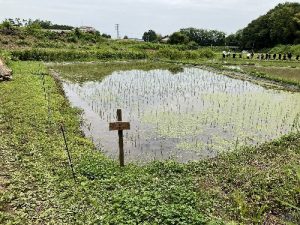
(243,62)
(281,74)
(284,72)
(81,72)
(254,185)
(294,49)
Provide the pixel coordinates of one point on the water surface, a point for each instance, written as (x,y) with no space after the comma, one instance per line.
(186,116)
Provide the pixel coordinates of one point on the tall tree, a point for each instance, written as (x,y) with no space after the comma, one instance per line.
(150,36)
(297,21)
(278,26)
(178,38)
(204,37)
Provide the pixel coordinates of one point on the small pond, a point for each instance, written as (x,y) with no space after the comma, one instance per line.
(186,116)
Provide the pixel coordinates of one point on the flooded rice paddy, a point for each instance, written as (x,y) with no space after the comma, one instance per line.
(186,116)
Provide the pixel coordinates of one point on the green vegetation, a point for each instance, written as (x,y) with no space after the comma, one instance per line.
(81,72)
(287,75)
(280,25)
(75,55)
(254,185)
(294,49)
(207,110)
(284,72)
(248,186)
(31,34)
(201,37)
(151,36)
(43,54)
(178,38)
(43,24)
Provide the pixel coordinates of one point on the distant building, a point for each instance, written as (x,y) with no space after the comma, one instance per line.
(87,29)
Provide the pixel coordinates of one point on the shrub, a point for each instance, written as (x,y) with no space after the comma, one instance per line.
(294,49)
(74,55)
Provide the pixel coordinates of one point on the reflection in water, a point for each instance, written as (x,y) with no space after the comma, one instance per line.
(187,116)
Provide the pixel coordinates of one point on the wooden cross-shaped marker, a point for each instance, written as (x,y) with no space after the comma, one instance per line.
(120,126)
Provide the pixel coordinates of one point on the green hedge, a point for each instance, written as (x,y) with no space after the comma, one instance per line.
(294,49)
(44,54)
(74,55)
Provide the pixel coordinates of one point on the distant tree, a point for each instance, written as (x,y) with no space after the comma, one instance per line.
(8,27)
(12,21)
(297,21)
(205,37)
(150,36)
(233,40)
(77,32)
(6,24)
(282,26)
(18,22)
(44,24)
(106,36)
(60,27)
(192,45)
(125,37)
(178,38)
(33,28)
(97,34)
(278,26)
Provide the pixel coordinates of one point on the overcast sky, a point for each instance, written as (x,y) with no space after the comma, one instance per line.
(137,16)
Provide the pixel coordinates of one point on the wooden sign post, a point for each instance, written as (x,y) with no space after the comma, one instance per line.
(120,126)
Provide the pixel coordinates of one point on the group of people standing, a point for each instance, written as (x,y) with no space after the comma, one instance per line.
(261,56)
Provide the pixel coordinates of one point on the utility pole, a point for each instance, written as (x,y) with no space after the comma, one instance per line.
(117,26)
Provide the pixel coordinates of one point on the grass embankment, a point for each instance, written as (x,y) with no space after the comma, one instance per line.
(286,75)
(294,49)
(109,53)
(251,186)
(49,46)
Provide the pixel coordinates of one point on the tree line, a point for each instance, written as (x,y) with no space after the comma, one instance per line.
(280,25)
(44,28)
(191,36)
(44,24)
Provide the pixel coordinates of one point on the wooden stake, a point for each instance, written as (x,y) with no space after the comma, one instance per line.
(120,126)
(121,144)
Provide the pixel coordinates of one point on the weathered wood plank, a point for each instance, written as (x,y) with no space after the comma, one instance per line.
(119,126)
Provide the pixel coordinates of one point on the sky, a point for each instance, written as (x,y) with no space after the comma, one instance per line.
(137,16)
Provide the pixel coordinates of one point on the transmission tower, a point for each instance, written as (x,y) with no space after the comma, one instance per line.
(117,26)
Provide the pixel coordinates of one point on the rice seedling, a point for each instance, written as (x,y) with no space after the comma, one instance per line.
(187,116)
